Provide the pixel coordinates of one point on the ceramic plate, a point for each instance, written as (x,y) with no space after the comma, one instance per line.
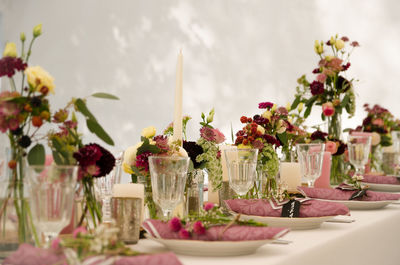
(211,248)
(299,223)
(362,205)
(383,187)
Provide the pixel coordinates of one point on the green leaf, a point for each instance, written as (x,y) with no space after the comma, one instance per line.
(37,155)
(147,147)
(95,128)
(58,158)
(345,101)
(82,108)
(310,101)
(323,116)
(295,103)
(105,95)
(308,111)
(283,138)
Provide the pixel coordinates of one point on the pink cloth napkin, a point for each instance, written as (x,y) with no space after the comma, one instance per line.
(344,195)
(30,255)
(308,208)
(380,179)
(160,229)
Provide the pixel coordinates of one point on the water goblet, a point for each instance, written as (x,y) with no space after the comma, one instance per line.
(168,179)
(359,148)
(52,196)
(104,186)
(241,164)
(310,157)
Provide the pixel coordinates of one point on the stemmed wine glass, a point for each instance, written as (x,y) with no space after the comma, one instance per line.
(359,148)
(310,157)
(105,185)
(241,164)
(168,179)
(52,196)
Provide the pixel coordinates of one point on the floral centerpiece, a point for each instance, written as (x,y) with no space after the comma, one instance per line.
(331,90)
(266,132)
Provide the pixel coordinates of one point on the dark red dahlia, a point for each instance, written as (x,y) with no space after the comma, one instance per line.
(318,135)
(317,88)
(193,151)
(95,155)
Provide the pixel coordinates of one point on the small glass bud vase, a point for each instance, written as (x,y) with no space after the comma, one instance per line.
(194,191)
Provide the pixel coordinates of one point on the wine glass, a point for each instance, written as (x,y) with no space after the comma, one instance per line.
(242,164)
(310,157)
(52,196)
(168,179)
(104,186)
(359,148)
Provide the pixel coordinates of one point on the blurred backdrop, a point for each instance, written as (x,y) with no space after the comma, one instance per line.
(237,53)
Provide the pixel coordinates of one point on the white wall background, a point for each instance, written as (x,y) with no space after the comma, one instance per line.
(236,53)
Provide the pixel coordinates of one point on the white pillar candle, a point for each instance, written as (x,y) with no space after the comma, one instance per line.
(130,190)
(225,176)
(177,135)
(291,175)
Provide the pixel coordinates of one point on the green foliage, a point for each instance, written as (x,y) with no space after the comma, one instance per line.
(37,155)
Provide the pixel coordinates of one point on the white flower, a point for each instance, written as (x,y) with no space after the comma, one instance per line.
(130,157)
(357,177)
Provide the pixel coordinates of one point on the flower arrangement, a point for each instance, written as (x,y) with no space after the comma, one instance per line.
(330,89)
(23,111)
(210,215)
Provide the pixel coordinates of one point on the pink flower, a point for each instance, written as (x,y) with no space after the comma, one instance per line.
(175,224)
(208,206)
(331,147)
(184,234)
(321,78)
(79,231)
(328,109)
(219,136)
(55,244)
(207,133)
(378,122)
(265,105)
(199,228)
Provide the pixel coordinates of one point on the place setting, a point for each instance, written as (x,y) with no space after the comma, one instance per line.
(67,200)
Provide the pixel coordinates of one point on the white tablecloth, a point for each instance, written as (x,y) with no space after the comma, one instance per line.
(374,238)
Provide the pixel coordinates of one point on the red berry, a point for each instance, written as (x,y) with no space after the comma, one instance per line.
(12,164)
(37,121)
(243,119)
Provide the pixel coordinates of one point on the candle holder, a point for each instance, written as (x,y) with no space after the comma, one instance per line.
(127,214)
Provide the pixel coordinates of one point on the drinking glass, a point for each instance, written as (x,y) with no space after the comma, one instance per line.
(359,148)
(104,186)
(168,179)
(242,164)
(52,196)
(310,157)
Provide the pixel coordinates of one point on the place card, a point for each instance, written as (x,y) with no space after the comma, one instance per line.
(291,209)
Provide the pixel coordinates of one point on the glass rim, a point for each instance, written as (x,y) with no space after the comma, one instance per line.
(304,144)
(240,149)
(55,166)
(170,157)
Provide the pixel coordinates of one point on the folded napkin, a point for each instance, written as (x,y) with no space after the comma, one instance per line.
(30,255)
(308,208)
(160,229)
(344,195)
(381,179)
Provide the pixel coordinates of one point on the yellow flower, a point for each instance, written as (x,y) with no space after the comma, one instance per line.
(328,58)
(130,158)
(10,50)
(319,47)
(37,30)
(38,78)
(332,40)
(300,106)
(339,44)
(288,106)
(274,107)
(149,132)
(242,146)
(260,129)
(267,115)
(22,37)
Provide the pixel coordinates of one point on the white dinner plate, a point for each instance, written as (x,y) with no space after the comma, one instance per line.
(362,205)
(383,187)
(297,223)
(211,248)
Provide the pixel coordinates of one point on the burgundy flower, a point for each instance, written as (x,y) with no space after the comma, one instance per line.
(344,38)
(355,44)
(316,71)
(282,111)
(271,140)
(106,163)
(317,88)
(88,155)
(142,161)
(193,151)
(318,135)
(265,105)
(161,142)
(8,66)
(207,133)
(346,66)
(257,144)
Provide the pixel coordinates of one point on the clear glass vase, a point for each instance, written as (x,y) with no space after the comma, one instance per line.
(151,210)
(194,191)
(338,165)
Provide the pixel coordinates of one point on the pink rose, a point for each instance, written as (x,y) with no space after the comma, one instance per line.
(328,109)
(378,122)
(219,136)
(331,147)
(321,78)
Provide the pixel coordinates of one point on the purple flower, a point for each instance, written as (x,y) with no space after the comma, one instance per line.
(317,88)
(265,105)
(207,133)
(199,228)
(175,224)
(208,206)
(184,234)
